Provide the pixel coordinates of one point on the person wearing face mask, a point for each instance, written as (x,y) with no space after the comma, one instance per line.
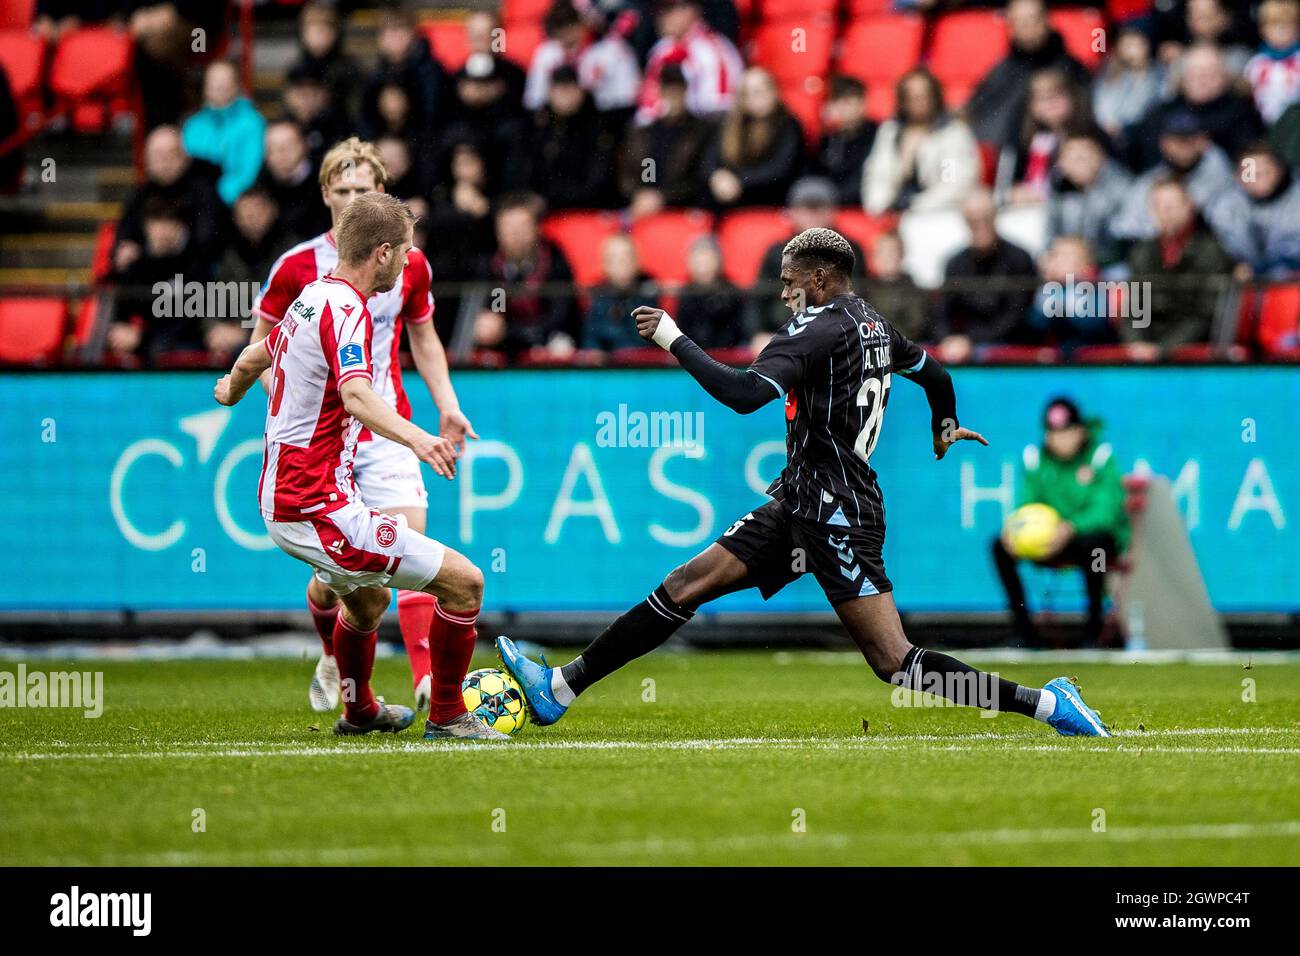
(1075,473)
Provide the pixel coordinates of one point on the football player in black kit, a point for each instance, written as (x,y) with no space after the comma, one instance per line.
(834,364)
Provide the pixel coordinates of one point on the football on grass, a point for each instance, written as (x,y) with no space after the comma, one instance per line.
(494,697)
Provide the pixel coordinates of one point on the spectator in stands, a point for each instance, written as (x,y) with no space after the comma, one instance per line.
(661,161)
(709,308)
(308,102)
(406,61)
(1208,22)
(404,179)
(484,34)
(846,138)
(536,307)
(709,60)
(624,287)
(1274,72)
(571,149)
(1072,308)
(1258,222)
(1205,92)
(1187,153)
(53,19)
(227,131)
(810,204)
(758,149)
(1177,263)
(321,57)
(991,309)
(997,107)
(1074,473)
(603,60)
(922,159)
(891,291)
(171,174)
(289,176)
(1057,107)
(1089,190)
(138,330)
(257,243)
(1285,135)
(482,113)
(164,34)
(1128,85)
(459,207)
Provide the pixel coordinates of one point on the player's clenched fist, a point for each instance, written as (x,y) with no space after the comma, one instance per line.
(655,325)
(223,393)
(438,452)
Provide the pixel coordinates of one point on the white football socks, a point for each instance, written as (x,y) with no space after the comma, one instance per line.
(1046,705)
(560,690)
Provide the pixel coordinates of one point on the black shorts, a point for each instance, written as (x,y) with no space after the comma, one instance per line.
(777,547)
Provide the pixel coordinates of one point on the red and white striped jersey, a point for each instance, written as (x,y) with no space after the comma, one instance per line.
(323,341)
(410,301)
(710,63)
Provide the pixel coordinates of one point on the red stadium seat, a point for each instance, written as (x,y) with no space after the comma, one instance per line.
(664,239)
(447,40)
(86,322)
(521,39)
(16,14)
(804,100)
(516,11)
(796,48)
(580,234)
(878,50)
(31,330)
(101,260)
(1080,29)
(866,8)
(22,54)
(964,46)
(745,235)
(90,70)
(855,224)
(1019,355)
(770,11)
(1279,317)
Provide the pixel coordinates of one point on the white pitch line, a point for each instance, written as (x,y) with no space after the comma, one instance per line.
(952,743)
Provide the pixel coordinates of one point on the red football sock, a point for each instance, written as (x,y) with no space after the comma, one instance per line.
(355,652)
(324,618)
(415,619)
(451,645)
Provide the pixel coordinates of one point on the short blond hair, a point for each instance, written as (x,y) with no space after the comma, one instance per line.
(368,222)
(350,154)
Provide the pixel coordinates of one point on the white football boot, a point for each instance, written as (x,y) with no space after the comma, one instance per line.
(324,693)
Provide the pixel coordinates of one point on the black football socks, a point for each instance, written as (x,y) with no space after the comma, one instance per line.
(639,631)
(945,676)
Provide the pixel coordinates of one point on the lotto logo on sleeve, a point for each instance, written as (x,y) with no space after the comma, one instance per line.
(351,355)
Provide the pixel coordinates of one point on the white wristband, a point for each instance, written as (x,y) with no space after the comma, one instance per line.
(666,332)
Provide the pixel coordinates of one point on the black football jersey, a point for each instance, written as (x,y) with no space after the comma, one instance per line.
(834,364)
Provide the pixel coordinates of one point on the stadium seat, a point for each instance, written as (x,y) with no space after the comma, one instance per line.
(1018,355)
(855,224)
(516,11)
(23,56)
(521,39)
(16,14)
(31,330)
(745,235)
(964,46)
(664,239)
(580,234)
(866,8)
(447,40)
(1079,27)
(91,68)
(101,259)
(1279,318)
(641,357)
(804,100)
(770,11)
(880,49)
(796,48)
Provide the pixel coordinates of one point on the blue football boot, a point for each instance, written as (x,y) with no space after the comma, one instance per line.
(534,679)
(1072,717)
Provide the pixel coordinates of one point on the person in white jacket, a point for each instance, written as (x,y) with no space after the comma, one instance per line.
(924,158)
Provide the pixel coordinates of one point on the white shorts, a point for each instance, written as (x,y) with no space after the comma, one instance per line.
(388,475)
(359,547)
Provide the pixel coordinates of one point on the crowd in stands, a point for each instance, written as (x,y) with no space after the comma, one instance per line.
(1169,156)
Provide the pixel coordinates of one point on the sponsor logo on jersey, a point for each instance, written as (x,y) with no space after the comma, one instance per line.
(351,355)
(385,535)
(347,310)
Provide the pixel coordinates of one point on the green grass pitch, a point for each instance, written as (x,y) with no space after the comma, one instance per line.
(739,758)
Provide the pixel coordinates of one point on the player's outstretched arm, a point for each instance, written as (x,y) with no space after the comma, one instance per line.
(936,381)
(431,362)
(741,390)
(361,402)
(252,362)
